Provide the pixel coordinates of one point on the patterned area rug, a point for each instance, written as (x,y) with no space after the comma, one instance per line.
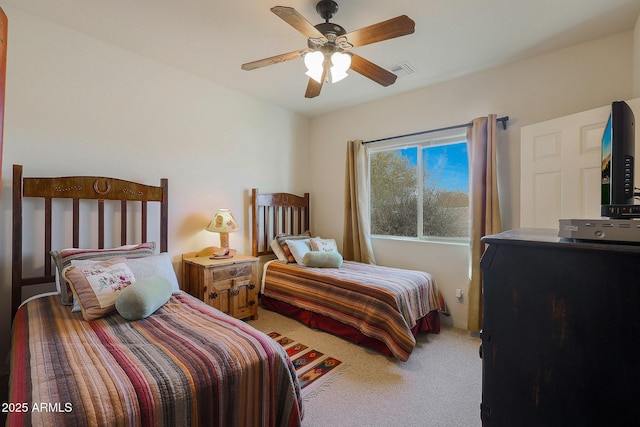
(314,368)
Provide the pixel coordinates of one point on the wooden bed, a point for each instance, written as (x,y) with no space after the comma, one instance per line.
(380,307)
(185,364)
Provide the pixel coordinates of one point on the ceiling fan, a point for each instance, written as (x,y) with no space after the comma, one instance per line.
(329,51)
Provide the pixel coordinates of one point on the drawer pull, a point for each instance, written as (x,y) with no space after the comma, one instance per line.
(251,286)
(234,272)
(213,295)
(234,292)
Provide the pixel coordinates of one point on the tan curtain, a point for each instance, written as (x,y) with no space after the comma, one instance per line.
(484,207)
(356,243)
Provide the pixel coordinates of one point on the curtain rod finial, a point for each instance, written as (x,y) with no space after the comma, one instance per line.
(504,122)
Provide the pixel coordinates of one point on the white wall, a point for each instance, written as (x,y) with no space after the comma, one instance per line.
(76,106)
(563,82)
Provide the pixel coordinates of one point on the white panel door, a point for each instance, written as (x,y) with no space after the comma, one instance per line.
(560,167)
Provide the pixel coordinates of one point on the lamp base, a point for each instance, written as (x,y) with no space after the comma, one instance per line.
(224,241)
(223,252)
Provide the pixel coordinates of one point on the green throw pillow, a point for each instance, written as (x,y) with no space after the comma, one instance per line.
(322,259)
(141,299)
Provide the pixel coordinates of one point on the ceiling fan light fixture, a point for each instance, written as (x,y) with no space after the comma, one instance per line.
(340,63)
(314,61)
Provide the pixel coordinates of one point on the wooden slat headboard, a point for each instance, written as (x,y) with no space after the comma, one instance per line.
(78,188)
(276,213)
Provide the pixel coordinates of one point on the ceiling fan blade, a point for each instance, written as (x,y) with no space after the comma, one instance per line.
(273,60)
(313,89)
(389,29)
(297,21)
(372,71)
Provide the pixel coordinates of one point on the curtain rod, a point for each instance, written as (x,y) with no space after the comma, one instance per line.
(503,120)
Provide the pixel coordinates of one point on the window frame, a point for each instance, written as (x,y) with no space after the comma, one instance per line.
(436,138)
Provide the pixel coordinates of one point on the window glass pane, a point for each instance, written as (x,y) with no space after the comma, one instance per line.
(420,187)
(393,195)
(445,205)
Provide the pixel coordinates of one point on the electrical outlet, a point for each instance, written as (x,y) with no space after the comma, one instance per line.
(459,295)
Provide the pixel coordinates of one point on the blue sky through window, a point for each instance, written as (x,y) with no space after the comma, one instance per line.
(447,164)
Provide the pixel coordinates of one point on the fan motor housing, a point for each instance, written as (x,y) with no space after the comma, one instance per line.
(330,28)
(326,9)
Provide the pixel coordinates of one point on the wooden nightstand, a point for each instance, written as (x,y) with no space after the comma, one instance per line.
(230,285)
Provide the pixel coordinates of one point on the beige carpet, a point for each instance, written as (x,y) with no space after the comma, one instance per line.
(440,384)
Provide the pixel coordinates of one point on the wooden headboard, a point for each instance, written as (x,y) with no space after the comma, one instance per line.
(276,213)
(78,188)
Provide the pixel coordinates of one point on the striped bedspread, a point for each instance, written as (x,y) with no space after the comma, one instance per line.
(381,302)
(186,365)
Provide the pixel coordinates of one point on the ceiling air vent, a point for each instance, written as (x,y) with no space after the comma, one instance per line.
(402,69)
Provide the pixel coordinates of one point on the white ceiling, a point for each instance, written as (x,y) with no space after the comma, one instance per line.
(211,39)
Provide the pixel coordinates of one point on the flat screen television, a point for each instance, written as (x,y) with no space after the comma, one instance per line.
(618,151)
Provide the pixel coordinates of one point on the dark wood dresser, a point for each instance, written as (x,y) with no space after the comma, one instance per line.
(561,331)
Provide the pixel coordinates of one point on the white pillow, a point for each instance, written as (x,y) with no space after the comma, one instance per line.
(155,265)
(298,248)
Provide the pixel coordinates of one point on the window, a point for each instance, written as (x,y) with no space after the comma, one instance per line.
(420,188)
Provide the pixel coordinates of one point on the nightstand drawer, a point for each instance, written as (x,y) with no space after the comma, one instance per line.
(232,271)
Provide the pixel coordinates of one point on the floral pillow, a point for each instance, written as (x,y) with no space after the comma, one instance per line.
(323,245)
(97,285)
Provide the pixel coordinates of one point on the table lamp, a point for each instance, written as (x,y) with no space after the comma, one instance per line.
(224,223)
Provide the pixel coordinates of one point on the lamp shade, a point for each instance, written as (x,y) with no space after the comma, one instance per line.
(314,61)
(223,222)
(340,64)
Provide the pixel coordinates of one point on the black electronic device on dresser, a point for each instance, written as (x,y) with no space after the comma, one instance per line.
(561,331)
(618,152)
